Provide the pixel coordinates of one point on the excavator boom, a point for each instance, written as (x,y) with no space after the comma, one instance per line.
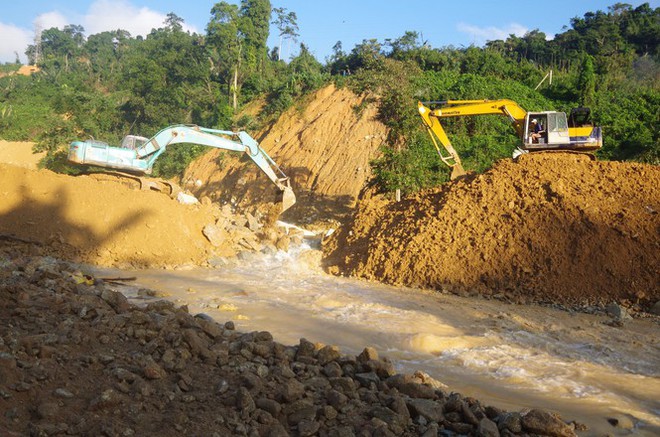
(138,154)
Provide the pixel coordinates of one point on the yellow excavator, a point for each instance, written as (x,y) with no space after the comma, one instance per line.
(538,131)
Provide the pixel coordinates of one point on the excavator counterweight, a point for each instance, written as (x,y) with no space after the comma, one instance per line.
(137,154)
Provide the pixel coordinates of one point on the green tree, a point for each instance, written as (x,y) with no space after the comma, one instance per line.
(226,38)
(287,24)
(586,83)
(237,39)
(60,48)
(255,21)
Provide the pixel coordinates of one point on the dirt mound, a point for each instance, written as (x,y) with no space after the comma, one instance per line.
(324,148)
(24,70)
(551,228)
(76,358)
(19,153)
(98,220)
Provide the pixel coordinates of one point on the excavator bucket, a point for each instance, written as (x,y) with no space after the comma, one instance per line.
(457,171)
(288,198)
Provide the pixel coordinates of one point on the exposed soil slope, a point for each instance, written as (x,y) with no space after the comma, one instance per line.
(550,227)
(325,149)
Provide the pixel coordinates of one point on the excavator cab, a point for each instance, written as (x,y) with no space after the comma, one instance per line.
(133,142)
(554,130)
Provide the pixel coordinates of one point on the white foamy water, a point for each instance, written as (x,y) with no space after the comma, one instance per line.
(505,355)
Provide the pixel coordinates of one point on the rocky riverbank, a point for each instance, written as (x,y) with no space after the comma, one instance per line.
(77,358)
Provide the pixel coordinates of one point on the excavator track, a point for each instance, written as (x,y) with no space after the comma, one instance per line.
(145,184)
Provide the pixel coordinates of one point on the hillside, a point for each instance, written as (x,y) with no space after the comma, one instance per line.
(325,149)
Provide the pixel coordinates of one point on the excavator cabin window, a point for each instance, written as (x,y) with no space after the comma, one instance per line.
(537,129)
(133,142)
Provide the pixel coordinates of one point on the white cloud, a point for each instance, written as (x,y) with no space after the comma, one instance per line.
(479,35)
(14,40)
(106,15)
(102,15)
(51,19)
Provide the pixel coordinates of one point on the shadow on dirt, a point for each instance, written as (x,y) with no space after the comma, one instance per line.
(45,227)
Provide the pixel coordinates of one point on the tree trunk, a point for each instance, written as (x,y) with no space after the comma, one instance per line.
(235,88)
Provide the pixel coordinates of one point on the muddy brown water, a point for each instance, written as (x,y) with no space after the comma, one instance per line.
(510,356)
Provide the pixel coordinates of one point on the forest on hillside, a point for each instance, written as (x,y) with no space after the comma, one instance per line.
(109,84)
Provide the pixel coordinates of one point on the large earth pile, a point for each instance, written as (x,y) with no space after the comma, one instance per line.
(99,220)
(549,228)
(324,148)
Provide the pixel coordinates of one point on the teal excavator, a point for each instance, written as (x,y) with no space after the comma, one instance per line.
(137,154)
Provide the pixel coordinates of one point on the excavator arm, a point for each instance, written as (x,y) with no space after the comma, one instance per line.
(459,108)
(141,158)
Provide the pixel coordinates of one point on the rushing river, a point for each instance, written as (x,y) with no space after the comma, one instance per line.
(509,356)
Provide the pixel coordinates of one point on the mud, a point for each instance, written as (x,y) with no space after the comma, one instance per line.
(550,228)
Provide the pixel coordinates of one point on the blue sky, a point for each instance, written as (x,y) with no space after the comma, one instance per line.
(321,23)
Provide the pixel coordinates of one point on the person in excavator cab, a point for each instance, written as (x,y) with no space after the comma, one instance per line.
(536,130)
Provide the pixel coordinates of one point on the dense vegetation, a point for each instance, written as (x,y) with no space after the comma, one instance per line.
(110,84)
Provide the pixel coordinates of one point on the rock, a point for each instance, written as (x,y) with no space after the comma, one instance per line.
(332,369)
(545,423)
(308,427)
(426,379)
(216,236)
(368,354)
(270,405)
(336,399)
(366,379)
(621,421)
(291,390)
(327,354)
(252,223)
(151,370)
(109,398)
(244,401)
(432,431)
(388,416)
(461,428)
(487,428)
(48,410)
(198,344)
(406,385)
(116,300)
(63,393)
(186,199)
(510,422)
(343,384)
(305,412)
(430,410)
(655,309)
(618,312)
(305,349)
(211,328)
(283,243)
